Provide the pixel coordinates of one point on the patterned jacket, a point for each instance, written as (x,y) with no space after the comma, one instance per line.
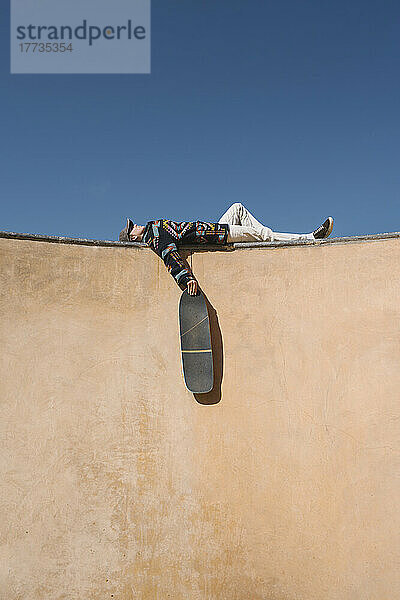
(165,236)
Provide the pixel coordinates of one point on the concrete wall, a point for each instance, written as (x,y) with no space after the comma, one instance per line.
(117,483)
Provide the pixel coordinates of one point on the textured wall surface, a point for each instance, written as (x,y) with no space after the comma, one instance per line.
(116,482)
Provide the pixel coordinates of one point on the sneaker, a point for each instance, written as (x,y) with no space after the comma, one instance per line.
(324,230)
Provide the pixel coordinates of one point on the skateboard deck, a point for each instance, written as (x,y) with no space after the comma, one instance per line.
(197,359)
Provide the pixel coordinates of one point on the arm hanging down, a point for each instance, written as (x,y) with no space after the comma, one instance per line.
(166,249)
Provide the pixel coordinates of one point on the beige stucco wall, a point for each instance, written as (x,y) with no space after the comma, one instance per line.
(115,482)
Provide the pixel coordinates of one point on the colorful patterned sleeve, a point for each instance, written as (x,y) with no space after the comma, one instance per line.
(164,245)
(176,266)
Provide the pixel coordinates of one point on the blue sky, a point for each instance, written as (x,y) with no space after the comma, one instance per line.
(289,107)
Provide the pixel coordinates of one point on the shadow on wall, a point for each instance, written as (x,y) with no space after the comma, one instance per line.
(214,396)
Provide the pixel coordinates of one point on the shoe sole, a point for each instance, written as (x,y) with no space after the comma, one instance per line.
(329,230)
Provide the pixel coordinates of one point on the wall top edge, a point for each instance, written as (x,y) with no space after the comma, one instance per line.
(109,243)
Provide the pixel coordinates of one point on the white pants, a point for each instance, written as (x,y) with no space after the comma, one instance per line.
(243,227)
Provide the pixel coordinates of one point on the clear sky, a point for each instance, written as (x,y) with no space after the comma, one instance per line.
(291,107)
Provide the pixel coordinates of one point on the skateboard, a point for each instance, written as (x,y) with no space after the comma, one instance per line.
(197,359)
